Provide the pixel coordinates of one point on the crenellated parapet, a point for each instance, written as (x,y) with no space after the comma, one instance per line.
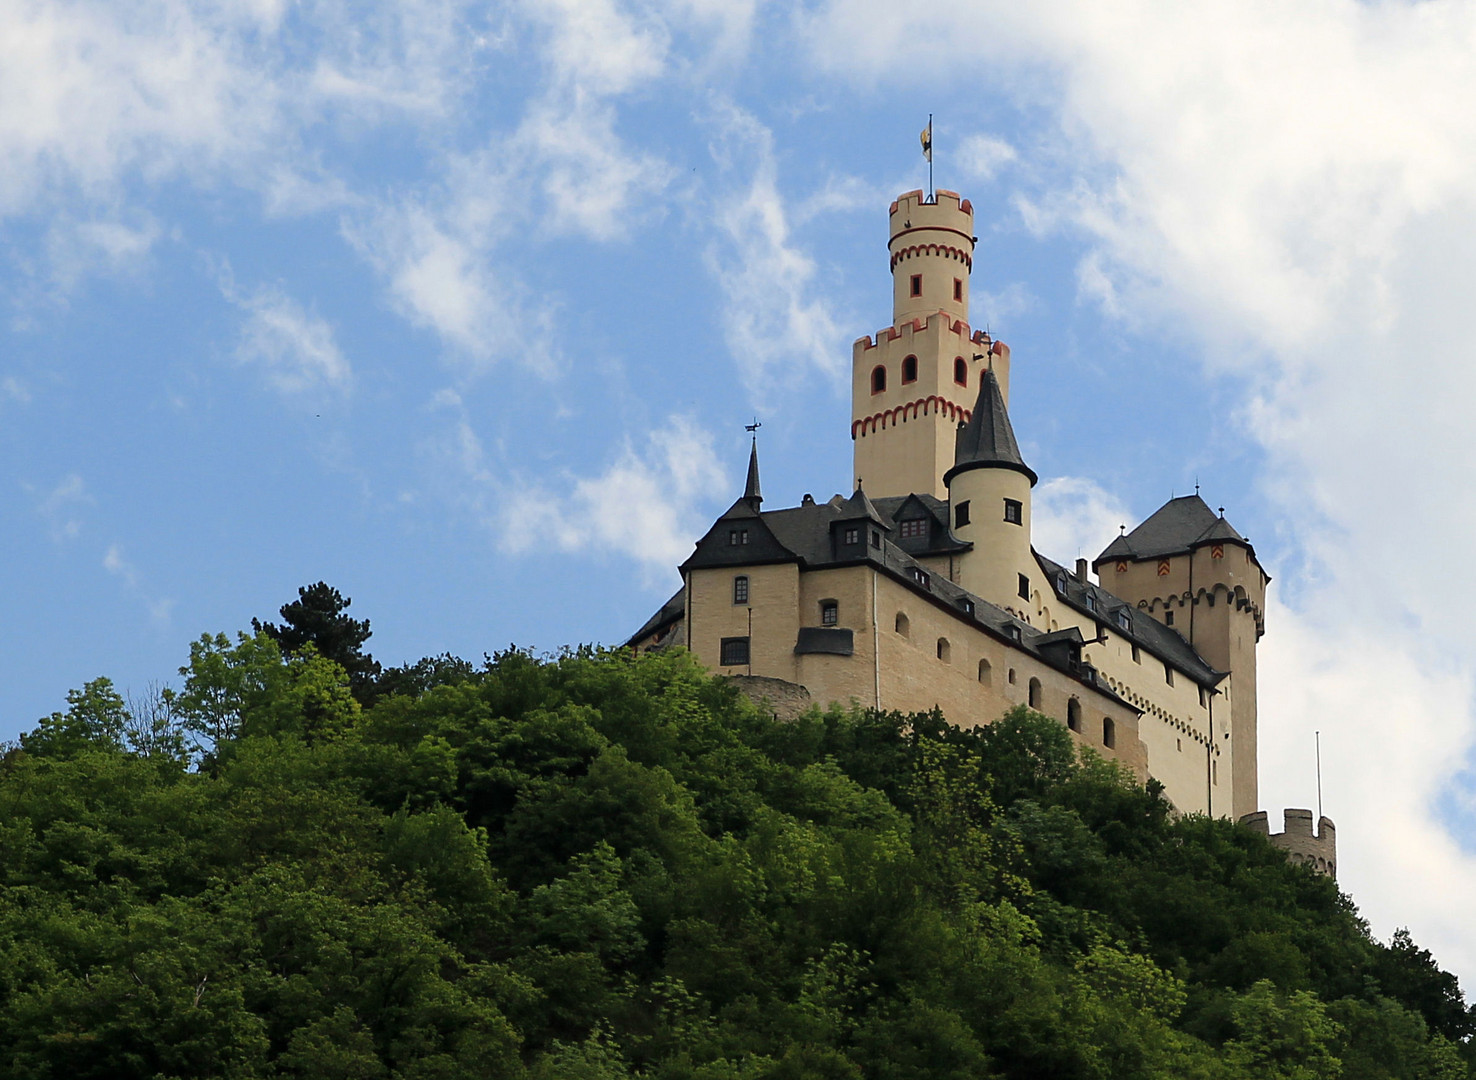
(1318,851)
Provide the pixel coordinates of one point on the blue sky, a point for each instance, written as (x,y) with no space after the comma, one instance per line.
(462,308)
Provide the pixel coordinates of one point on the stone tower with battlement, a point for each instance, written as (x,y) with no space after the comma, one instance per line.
(1318,851)
(916,381)
(1188,568)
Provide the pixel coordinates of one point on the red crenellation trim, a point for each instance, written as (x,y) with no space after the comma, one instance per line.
(909,410)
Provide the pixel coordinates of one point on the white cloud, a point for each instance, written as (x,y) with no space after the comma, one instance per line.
(776,321)
(62,507)
(294,348)
(118,566)
(1072,517)
(1290,184)
(641,506)
(982,156)
(15,390)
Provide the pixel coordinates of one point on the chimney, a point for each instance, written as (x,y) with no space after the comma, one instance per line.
(1081,571)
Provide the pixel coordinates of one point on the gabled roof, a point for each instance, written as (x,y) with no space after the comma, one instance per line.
(987,441)
(860,508)
(1142,629)
(1178,526)
(741,537)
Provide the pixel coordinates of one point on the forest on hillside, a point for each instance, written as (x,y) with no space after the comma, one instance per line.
(599,866)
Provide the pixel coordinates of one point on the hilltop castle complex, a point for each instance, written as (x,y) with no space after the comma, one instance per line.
(921,588)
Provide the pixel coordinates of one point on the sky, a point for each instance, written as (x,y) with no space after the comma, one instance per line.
(463,308)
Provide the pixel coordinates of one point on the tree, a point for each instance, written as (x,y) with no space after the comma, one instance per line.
(318,618)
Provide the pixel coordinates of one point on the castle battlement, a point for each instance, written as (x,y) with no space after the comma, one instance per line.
(1317,851)
(922,324)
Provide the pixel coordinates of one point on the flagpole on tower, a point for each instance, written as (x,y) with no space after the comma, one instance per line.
(927,145)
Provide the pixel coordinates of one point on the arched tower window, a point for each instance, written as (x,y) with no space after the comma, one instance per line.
(909,369)
(960,371)
(903,626)
(986,674)
(1073,715)
(1033,700)
(1109,732)
(878,379)
(944,649)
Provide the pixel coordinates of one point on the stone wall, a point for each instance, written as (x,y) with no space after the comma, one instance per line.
(1317,851)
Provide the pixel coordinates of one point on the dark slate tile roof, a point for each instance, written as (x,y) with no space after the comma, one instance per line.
(803,534)
(1178,526)
(1143,630)
(987,441)
(668,613)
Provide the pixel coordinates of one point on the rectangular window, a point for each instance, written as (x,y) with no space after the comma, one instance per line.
(914,527)
(829,613)
(921,577)
(1013,511)
(740,589)
(853,536)
(916,284)
(1024,587)
(957,288)
(734,652)
(961,514)
(875,538)
(737,537)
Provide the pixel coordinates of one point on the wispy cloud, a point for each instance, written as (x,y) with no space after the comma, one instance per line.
(62,507)
(119,567)
(775,317)
(294,348)
(1071,517)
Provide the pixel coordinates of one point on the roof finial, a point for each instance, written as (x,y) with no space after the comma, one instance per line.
(1122,530)
(1222,513)
(751,490)
(1196,483)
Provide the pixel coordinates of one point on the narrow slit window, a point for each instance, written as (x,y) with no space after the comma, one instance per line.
(1109,732)
(958,289)
(909,369)
(916,284)
(960,371)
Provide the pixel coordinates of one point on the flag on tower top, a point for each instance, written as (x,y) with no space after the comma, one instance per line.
(927,140)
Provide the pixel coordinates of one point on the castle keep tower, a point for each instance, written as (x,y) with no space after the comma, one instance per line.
(914,383)
(1188,568)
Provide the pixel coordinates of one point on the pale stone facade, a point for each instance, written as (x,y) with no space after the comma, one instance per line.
(922,587)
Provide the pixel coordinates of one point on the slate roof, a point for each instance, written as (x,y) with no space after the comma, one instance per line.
(1176,528)
(987,441)
(1143,630)
(803,534)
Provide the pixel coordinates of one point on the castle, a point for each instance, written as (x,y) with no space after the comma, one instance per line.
(922,588)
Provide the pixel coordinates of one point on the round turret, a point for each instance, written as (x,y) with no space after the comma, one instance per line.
(932,248)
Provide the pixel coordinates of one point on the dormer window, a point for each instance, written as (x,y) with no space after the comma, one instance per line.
(1016,635)
(876,538)
(921,577)
(852,536)
(913,527)
(1091,602)
(1061,584)
(1124,620)
(967,605)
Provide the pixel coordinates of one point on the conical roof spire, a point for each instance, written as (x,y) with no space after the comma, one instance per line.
(751,490)
(987,441)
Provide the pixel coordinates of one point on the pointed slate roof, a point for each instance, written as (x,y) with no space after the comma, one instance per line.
(859,507)
(987,441)
(751,490)
(1178,526)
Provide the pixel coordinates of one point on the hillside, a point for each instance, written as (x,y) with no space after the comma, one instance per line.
(600,866)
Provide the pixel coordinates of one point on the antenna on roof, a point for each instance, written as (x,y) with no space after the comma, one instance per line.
(1317,736)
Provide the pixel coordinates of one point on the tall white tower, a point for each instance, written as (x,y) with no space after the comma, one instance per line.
(915,381)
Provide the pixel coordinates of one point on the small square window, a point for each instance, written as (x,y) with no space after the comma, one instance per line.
(916,284)
(829,613)
(734,651)
(1024,587)
(1014,512)
(740,589)
(737,537)
(853,536)
(961,514)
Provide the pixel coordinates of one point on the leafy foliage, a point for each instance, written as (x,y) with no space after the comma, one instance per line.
(605,866)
